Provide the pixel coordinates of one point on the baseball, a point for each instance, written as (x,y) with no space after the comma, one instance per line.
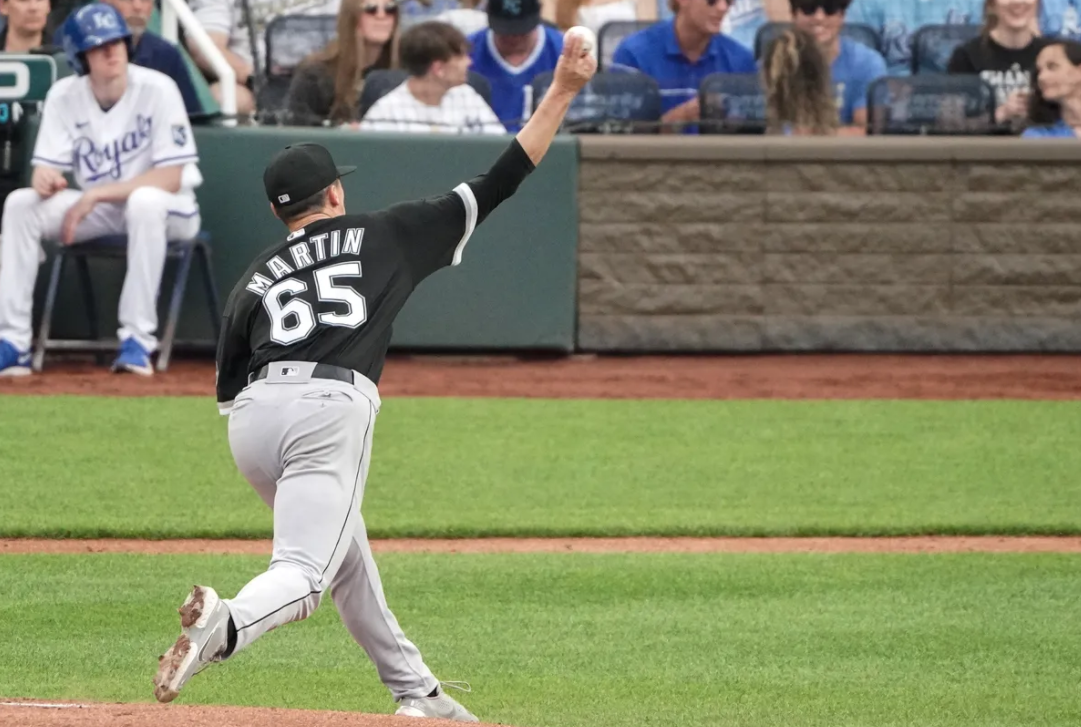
(589,39)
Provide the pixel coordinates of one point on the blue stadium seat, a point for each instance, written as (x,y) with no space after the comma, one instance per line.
(611,35)
(858,32)
(931,104)
(732,103)
(611,103)
(932,46)
(115,247)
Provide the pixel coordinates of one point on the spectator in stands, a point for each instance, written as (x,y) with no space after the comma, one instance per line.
(1004,55)
(152,51)
(800,99)
(897,21)
(680,52)
(746,17)
(25,27)
(471,16)
(593,14)
(515,48)
(223,21)
(327,84)
(435,97)
(1055,104)
(853,65)
(1060,19)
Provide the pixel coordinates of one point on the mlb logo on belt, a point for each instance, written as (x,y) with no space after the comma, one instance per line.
(290,371)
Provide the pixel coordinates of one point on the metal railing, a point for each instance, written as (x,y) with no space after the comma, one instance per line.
(174,11)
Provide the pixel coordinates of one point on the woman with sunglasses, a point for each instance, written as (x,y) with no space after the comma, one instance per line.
(1055,104)
(1004,55)
(852,65)
(326,87)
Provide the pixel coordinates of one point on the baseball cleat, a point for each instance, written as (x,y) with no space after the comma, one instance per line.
(13,362)
(204,626)
(441,706)
(133,358)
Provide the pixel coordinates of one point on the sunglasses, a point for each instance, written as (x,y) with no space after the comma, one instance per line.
(829,7)
(373,9)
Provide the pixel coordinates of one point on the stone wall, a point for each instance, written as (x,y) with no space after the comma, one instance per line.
(880,244)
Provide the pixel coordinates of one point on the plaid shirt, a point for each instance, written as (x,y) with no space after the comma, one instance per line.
(461,111)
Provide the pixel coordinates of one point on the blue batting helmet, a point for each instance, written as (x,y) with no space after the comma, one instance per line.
(89,27)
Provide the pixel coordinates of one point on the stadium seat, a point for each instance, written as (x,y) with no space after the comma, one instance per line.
(732,103)
(115,247)
(931,104)
(856,31)
(932,46)
(611,35)
(619,103)
(380,82)
(289,40)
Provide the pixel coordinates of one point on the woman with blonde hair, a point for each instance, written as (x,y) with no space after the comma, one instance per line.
(799,94)
(327,85)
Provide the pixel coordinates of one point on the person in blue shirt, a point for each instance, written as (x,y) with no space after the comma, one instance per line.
(898,20)
(853,65)
(1055,103)
(510,52)
(680,52)
(153,51)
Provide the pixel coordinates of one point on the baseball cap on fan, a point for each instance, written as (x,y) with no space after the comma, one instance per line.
(298,171)
(513,17)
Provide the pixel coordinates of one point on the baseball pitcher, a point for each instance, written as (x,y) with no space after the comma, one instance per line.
(123,132)
(302,349)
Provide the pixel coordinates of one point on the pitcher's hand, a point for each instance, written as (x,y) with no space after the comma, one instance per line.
(574,68)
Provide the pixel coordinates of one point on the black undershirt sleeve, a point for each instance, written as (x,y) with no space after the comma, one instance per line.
(502,180)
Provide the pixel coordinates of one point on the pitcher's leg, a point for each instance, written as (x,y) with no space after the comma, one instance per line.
(358,595)
(315,509)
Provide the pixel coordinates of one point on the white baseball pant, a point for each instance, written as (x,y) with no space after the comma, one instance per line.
(304,445)
(150,217)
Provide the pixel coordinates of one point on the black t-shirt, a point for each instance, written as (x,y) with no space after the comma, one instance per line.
(329,292)
(1006,69)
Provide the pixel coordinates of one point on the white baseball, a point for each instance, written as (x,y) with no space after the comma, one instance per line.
(589,39)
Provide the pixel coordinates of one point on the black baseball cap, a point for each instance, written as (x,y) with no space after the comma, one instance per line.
(298,171)
(513,17)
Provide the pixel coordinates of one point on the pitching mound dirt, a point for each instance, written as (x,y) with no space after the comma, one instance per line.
(27,713)
(920,544)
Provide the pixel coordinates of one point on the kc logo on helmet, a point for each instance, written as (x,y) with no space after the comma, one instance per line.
(105,20)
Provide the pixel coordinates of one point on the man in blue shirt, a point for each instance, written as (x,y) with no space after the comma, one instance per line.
(510,52)
(680,52)
(898,20)
(853,65)
(152,51)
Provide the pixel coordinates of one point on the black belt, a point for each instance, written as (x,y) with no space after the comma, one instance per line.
(321,371)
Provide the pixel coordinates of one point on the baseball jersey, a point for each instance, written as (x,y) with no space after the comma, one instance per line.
(329,292)
(512,92)
(461,111)
(148,127)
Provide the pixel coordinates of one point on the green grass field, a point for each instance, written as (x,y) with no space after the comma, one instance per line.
(598,641)
(73,466)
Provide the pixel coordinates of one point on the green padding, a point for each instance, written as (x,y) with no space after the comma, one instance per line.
(516,286)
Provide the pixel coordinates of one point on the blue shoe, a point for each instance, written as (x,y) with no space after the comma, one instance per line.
(133,358)
(12,361)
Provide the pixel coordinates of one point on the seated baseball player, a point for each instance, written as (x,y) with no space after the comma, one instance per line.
(435,97)
(122,132)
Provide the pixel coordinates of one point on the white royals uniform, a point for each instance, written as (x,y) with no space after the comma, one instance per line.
(147,128)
